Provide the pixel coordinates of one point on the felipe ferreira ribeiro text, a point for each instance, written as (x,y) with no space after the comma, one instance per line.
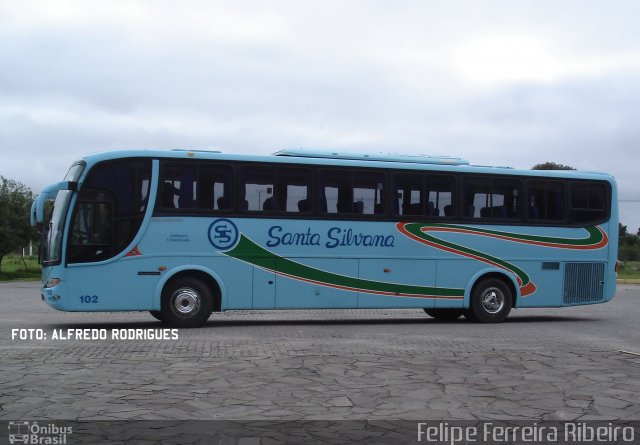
(94,334)
(488,432)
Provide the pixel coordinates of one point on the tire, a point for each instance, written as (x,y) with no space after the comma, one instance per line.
(491,301)
(157,315)
(469,315)
(444,314)
(186,303)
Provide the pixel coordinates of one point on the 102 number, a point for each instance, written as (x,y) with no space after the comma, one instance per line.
(88,299)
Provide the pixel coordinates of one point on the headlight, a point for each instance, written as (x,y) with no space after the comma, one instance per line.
(52,282)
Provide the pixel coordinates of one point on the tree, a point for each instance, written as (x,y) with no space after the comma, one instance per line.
(551,166)
(622,230)
(15,204)
(628,245)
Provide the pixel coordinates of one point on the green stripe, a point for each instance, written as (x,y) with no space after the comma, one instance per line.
(250,252)
(595,236)
(416,229)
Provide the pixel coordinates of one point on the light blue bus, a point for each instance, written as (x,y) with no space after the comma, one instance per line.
(182,234)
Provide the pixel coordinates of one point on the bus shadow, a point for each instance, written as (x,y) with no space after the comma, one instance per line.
(391,321)
(221,323)
(548,318)
(216,323)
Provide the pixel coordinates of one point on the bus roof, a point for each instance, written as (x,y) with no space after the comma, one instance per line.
(344,158)
(382,157)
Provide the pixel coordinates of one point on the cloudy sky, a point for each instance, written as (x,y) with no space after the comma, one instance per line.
(496,82)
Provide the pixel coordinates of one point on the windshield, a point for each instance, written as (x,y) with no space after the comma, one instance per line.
(52,232)
(74,172)
(109,210)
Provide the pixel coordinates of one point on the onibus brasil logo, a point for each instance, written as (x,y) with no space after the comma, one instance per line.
(34,433)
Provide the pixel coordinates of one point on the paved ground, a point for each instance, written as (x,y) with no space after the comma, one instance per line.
(541,364)
(550,364)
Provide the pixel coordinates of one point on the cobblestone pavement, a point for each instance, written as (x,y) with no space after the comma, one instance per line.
(547,364)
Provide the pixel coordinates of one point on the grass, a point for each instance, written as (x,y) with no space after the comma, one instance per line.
(629,270)
(13,269)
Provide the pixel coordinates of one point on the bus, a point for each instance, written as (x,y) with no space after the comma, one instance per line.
(185,233)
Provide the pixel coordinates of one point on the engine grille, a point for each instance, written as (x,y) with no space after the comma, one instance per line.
(583,282)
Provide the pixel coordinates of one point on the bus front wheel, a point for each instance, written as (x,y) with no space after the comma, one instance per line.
(491,301)
(157,315)
(186,303)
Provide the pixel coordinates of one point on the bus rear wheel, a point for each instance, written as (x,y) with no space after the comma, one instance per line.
(186,303)
(491,301)
(444,314)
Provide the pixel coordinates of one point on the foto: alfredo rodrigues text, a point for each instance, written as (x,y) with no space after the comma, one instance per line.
(94,334)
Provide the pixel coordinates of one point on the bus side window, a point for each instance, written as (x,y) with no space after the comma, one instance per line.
(191,186)
(431,209)
(588,202)
(440,194)
(258,188)
(492,198)
(334,191)
(545,201)
(344,205)
(554,204)
(351,193)
(505,199)
(179,186)
(215,187)
(270,204)
(533,211)
(408,194)
(368,193)
(167,195)
(304,205)
(293,189)
(471,195)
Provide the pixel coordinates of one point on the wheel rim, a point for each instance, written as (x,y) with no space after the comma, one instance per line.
(492,300)
(185,302)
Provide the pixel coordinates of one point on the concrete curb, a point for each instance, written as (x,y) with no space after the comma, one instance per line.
(629,281)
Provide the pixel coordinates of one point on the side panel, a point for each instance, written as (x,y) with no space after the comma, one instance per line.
(114,286)
(305,293)
(315,264)
(264,287)
(548,278)
(401,272)
(456,272)
(235,277)
(534,257)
